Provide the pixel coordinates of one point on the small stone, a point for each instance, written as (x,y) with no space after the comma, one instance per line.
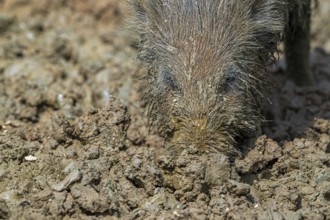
(30,158)
(72,178)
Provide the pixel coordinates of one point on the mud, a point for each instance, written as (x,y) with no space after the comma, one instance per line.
(74,142)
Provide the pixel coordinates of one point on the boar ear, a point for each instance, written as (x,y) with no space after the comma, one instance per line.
(269,14)
(268,17)
(138,7)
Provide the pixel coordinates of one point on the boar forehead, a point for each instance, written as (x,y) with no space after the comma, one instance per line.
(199,37)
(188,32)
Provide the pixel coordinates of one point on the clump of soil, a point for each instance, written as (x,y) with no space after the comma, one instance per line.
(74,139)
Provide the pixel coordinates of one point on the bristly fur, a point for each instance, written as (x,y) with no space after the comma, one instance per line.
(206,63)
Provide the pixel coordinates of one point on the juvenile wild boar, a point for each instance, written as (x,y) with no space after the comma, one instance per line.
(206,61)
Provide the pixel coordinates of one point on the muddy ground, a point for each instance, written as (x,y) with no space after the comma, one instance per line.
(74,142)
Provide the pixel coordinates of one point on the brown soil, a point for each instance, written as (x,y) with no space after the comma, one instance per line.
(74,141)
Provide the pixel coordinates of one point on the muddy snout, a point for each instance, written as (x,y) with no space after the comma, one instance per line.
(191,130)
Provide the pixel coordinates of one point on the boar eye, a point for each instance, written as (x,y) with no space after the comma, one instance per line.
(229,81)
(167,80)
(230,78)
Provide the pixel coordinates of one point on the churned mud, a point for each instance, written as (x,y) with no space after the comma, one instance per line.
(74,142)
